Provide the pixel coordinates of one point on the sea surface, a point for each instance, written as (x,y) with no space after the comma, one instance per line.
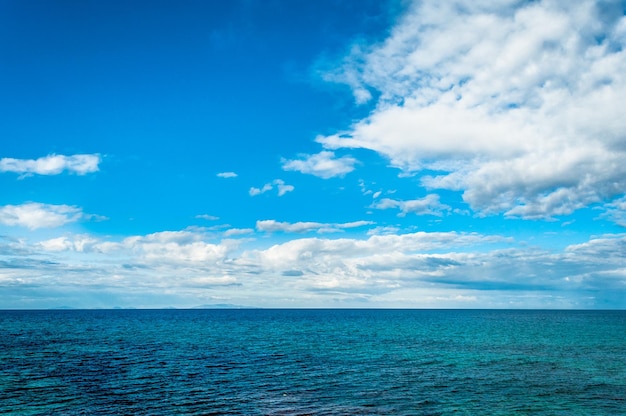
(312,362)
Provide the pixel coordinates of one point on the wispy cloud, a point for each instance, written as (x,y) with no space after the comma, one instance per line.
(227,175)
(281,187)
(207,217)
(303,227)
(52,165)
(324,164)
(429,205)
(238,231)
(35,215)
(616,211)
(535,133)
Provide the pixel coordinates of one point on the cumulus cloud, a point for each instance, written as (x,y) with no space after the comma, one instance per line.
(281,187)
(515,104)
(52,165)
(429,205)
(303,227)
(227,175)
(35,215)
(324,164)
(175,248)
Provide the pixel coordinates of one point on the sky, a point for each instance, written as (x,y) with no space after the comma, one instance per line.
(297,154)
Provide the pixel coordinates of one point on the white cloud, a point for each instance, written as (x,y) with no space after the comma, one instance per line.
(429,205)
(324,164)
(52,164)
(517,104)
(35,215)
(281,188)
(227,175)
(303,227)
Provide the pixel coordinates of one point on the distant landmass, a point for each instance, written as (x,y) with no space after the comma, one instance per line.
(223,306)
(205,306)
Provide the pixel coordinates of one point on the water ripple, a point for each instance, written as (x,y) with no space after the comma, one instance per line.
(320,362)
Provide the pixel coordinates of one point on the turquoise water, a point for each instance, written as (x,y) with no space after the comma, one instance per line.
(317,362)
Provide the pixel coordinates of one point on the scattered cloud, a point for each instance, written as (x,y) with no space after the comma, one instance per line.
(366,191)
(514,105)
(34,215)
(522,113)
(52,165)
(324,164)
(227,175)
(258,191)
(303,227)
(280,185)
(429,205)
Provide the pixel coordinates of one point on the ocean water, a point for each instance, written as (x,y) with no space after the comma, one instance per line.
(312,362)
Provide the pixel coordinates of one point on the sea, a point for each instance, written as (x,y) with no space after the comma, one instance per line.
(312,362)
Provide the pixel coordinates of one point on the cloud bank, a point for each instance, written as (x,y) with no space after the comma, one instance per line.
(421,269)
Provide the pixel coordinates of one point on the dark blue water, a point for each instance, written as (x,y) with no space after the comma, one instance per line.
(317,362)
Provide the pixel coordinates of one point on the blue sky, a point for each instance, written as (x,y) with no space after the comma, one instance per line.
(313,154)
